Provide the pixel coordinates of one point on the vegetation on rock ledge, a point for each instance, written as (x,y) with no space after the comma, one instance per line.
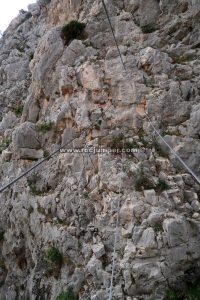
(191,292)
(69,295)
(53,255)
(4,144)
(72,30)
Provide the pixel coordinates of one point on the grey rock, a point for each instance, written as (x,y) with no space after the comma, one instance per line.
(73,52)
(98,250)
(195,205)
(141,10)
(67,83)
(9,121)
(25,136)
(147,239)
(176,231)
(26,153)
(68,136)
(150,197)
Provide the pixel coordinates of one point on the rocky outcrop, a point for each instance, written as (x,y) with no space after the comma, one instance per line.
(57,225)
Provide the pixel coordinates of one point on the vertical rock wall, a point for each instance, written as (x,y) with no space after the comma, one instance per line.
(57,224)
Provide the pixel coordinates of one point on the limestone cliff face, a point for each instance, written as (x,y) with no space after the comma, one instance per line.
(57,224)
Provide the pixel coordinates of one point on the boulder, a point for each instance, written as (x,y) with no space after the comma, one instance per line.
(147,240)
(143,8)
(9,121)
(25,136)
(68,82)
(176,230)
(31,154)
(91,77)
(98,250)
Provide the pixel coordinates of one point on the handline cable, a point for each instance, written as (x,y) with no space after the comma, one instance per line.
(58,150)
(114,251)
(116,232)
(174,152)
(52,154)
(120,55)
(156,131)
(106,11)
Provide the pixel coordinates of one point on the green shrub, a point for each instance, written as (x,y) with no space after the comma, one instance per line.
(28,15)
(161,186)
(31,56)
(58,221)
(120,142)
(157,227)
(105,261)
(2,266)
(41,210)
(19,110)
(117,142)
(54,261)
(46,153)
(32,187)
(54,256)
(4,144)
(159,150)
(171,295)
(143,182)
(180,59)
(1,235)
(191,292)
(142,140)
(148,28)
(30,210)
(198,194)
(44,127)
(71,31)
(20,49)
(69,295)
(163,133)
(97,126)
(131,145)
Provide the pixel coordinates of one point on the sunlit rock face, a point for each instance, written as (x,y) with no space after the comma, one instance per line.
(57,224)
